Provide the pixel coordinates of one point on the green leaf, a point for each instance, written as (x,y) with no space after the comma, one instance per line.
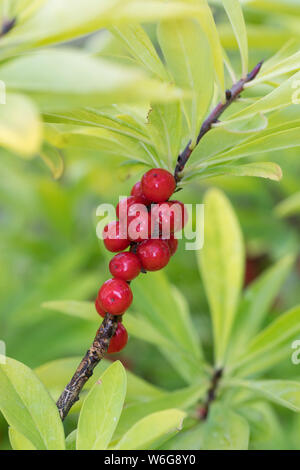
(139,45)
(283,392)
(22,9)
(71,440)
(289,206)
(264,424)
(18,441)
(188,57)
(221,139)
(236,17)
(101,409)
(281,332)
(225,430)
(169,317)
(42,26)
(278,68)
(20,135)
(74,308)
(278,98)
(164,127)
(109,142)
(91,117)
(247,125)
(53,159)
(55,79)
(148,430)
(182,399)
(278,141)
(256,302)
(28,408)
(268,170)
(221,261)
(190,439)
(208,25)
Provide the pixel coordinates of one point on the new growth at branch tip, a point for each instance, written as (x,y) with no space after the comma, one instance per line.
(7,25)
(231,96)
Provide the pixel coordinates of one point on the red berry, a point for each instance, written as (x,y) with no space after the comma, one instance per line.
(119,339)
(170,216)
(137,191)
(115,237)
(125,266)
(99,308)
(130,206)
(153,254)
(139,228)
(173,244)
(115,296)
(158,185)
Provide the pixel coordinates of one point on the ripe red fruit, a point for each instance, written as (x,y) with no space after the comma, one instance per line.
(130,206)
(119,339)
(137,191)
(99,308)
(125,266)
(139,227)
(115,237)
(170,216)
(153,254)
(158,185)
(173,244)
(115,296)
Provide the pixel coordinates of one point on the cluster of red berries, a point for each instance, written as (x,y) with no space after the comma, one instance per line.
(146,223)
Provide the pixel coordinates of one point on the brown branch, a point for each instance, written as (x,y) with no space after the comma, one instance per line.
(85,369)
(211,394)
(213,118)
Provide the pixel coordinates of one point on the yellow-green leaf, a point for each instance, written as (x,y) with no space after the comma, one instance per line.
(206,19)
(282,331)
(53,159)
(236,17)
(289,206)
(225,430)
(55,78)
(151,428)
(28,407)
(18,441)
(20,125)
(164,127)
(101,409)
(256,301)
(268,170)
(189,59)
(139,45)
(283,392)
(52,21)
(221,262)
